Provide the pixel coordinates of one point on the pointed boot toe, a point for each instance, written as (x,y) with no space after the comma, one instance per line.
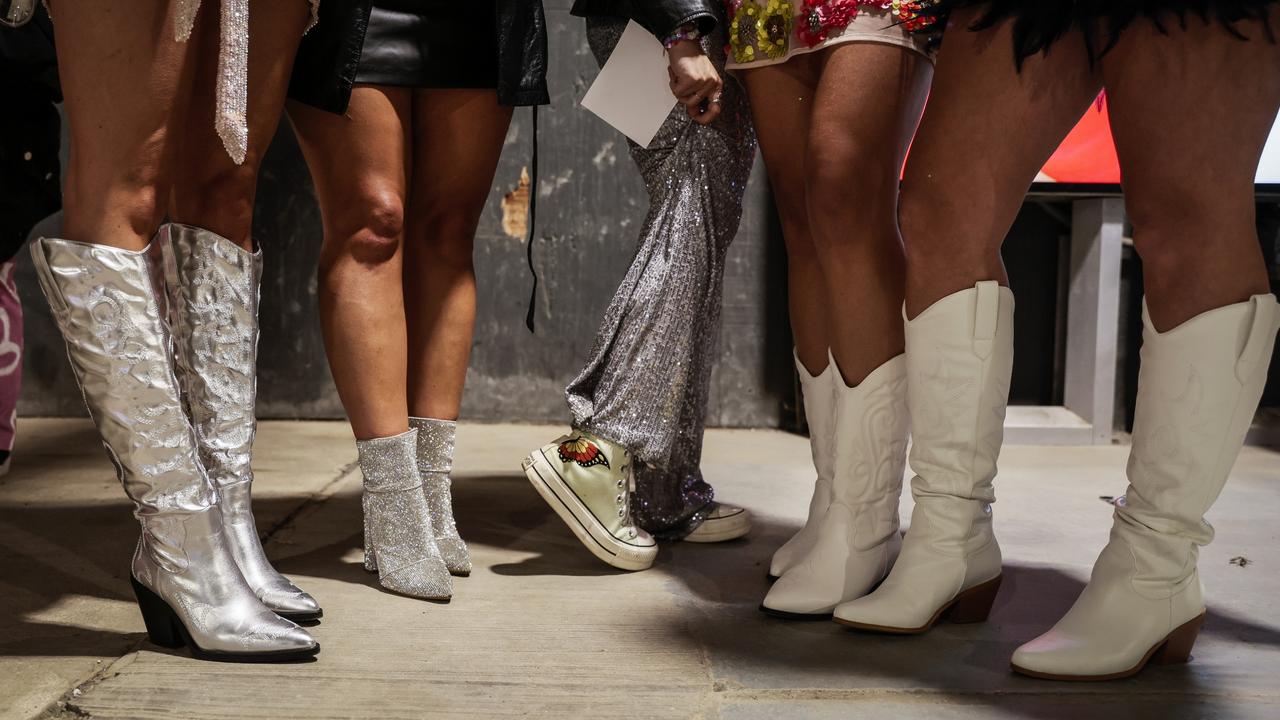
(455,555)
(427,579)
(799,596)
(291,603)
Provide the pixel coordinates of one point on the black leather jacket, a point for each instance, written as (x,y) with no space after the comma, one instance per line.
(330,54)
(660,17)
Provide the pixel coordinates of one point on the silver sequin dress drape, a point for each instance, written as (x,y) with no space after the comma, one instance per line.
(645,383)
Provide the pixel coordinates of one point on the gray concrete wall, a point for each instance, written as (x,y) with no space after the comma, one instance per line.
(591,203)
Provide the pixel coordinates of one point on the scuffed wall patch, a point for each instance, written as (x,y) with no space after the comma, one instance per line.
(515,208)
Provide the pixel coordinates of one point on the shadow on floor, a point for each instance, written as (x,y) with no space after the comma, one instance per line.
(50,553)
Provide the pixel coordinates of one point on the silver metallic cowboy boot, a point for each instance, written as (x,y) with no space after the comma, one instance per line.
(435,462)
(213,293)
(189,587)
(398,539)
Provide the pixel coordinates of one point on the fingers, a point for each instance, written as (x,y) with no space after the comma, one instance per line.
(686,87)
(704,117)
(695,93)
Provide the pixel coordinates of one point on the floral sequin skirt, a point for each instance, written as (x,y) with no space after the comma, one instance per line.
(768,32)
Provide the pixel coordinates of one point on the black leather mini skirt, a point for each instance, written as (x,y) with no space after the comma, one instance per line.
(430,44)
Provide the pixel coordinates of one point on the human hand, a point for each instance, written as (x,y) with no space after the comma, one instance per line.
(695,81)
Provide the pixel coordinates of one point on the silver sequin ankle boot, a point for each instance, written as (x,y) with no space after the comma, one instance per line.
(435,462)
(109,307)
(213,292)
(398,539)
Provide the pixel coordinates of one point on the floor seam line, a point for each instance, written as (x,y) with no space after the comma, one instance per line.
(316,498)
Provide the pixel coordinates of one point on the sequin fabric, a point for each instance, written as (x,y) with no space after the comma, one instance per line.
(765,32)
(436,439)
(231,118)
(645,383)
(398,539)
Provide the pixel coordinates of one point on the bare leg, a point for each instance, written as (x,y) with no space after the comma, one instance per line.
(1189,183)
(866,109)
(123,75)
(987,131)
(210,190)
(359,165)
(457,139)
(782,105)
(1189,145)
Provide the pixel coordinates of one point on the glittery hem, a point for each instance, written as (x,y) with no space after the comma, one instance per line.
(647,379)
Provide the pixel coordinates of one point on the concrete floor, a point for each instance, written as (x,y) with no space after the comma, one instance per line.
(541,629)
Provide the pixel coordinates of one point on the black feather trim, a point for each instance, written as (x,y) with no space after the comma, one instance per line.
(1038,24)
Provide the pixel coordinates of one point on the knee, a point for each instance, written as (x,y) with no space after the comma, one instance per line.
(370,233)
(925,238)
(1173,222)
(220,199)
(446,233)
(793,216)
(850,196)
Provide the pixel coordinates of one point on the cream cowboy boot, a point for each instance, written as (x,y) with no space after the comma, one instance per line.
(959,360)
(857,538)
(1198,390)
(820,411)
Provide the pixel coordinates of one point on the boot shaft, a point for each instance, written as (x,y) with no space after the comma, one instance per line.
(213,287)
(959,364)
(435,445)
(819,393)
(870,447)
(109,307)
(1198,389)
(389,464)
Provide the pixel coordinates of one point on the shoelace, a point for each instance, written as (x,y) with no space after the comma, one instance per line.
(625,489)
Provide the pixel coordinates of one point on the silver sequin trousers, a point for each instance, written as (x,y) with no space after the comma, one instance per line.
(646,381)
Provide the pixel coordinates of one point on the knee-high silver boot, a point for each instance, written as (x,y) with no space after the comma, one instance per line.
(213,292)
(189,587)
(436,440)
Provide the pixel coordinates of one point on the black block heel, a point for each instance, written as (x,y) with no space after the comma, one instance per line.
(165,629)
(162,624)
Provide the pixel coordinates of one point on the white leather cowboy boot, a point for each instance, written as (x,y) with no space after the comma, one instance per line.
(959,360)
(1198,390)
(587,480)
(213,296)
(819,393)
(856,539)
(109,305)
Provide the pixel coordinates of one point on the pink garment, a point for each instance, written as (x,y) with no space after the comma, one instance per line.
(10,355)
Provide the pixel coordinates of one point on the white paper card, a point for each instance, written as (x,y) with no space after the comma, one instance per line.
(633,90)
